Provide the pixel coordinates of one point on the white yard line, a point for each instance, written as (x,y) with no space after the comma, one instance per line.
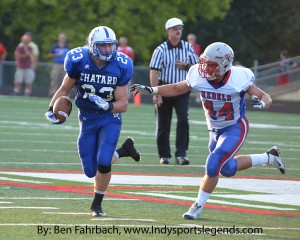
(54,198)
(170,196)
(21,207)
(280,191)
(22,180)
(41,163)
(100,219)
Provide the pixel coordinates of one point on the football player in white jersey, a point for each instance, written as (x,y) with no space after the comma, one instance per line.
(222,89)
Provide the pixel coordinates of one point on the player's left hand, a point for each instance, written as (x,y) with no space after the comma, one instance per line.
(256,103)
(99,102)
(50,116)
(142,88)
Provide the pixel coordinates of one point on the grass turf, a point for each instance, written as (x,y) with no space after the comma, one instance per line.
(29,143)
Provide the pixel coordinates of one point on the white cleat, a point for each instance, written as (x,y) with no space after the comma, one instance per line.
(275,160)
(194,212)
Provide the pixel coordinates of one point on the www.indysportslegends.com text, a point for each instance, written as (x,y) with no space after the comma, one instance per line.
(151,230)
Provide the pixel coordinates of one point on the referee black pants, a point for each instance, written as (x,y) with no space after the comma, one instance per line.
(163,122)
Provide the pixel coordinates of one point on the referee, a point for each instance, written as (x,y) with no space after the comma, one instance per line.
(169,64)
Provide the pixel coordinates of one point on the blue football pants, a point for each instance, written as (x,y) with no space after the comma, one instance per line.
(97,141)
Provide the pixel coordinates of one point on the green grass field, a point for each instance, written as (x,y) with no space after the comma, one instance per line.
(45,195)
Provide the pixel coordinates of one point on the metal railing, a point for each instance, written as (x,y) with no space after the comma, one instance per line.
(266,76)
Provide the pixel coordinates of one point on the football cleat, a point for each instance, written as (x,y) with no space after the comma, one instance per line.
(97,212)
(275,160)
(182,161)
(193,213)
(164,161)
(130,151)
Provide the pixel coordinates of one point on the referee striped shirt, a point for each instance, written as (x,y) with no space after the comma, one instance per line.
(164,60)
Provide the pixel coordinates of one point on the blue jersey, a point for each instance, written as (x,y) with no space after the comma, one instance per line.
(62,52)
(92,79)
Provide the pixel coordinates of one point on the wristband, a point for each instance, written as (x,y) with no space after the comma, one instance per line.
(110,107)
(155,90)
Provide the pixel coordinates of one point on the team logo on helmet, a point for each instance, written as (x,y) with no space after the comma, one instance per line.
(228,56)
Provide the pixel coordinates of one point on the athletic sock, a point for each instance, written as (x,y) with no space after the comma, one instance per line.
(98,197)
(202,197)
(116,154)
(259,159)
(121,152)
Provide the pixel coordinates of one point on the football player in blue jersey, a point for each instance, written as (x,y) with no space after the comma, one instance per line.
(100,74)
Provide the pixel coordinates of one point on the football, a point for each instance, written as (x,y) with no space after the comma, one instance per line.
(62,108)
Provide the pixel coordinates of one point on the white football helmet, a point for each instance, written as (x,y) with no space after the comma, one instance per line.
(103,35)
(215,61)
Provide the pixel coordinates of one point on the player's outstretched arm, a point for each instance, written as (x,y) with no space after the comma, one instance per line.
(167,90)
(143,89)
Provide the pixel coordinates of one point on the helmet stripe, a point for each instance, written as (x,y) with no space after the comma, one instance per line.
(106,32)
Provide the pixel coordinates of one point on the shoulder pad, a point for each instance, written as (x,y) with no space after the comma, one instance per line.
(77,54)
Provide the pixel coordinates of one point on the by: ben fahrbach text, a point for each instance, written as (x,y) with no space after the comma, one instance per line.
(77,229)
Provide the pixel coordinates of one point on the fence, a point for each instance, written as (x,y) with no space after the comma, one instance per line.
(42,80)
(266,76)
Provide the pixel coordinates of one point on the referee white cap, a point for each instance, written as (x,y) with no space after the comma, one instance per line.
(173,22)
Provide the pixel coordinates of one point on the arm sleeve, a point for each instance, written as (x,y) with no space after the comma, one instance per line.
(127,71)
(70,66)
(156,60)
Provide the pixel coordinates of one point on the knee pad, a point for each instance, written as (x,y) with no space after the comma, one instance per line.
(104,169)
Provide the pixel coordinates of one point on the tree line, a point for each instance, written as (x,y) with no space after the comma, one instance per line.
(255,29)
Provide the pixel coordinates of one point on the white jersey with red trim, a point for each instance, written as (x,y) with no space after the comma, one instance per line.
(224,104)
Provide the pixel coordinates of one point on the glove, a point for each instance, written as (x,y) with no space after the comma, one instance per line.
(102,104)
(51,117)
(256,103)
(143,89)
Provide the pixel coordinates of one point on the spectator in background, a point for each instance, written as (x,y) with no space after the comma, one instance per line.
(34,61)
(192,39)
(285,65)
(3,54)
(58,53)
(124,48)
(24,72)
(237,64)
(35,49)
